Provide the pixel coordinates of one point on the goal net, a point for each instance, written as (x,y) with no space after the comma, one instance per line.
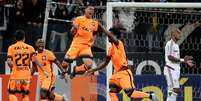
(148,28)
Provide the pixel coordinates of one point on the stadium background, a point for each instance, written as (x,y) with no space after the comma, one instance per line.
(144,42)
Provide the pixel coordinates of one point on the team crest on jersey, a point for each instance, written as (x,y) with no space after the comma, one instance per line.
(43,57)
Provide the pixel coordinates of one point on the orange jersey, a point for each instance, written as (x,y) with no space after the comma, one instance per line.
(118,56)
(86,28)
(46,58)
(21,55)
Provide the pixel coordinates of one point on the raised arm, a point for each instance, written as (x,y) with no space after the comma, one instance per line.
(101,66)
(75,26)
(56,61)
(34,68)
(110,36)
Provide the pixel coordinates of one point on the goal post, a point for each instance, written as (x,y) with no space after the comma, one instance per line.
(109,12)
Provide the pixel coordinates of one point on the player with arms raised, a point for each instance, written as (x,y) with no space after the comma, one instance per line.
(84,28)
(122,78)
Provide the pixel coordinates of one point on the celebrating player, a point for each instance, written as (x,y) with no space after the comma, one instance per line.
(47,58)
(122,77)
(84,28)
(172,67)
(19,58)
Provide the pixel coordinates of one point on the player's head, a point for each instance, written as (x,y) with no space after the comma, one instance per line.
(176,34)
(20,35)
(89,11)
(40,44)
(116,32)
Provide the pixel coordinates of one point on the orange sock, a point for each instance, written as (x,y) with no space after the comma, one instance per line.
(58,97)
(25,98)
(113,97)
(12,97)
(81,69)
(139,95)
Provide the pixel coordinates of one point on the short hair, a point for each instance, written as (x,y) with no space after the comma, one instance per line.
(116,32)
(176,30)
(89,5)
(19,35)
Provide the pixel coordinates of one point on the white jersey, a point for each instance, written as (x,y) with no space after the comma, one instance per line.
(172,48)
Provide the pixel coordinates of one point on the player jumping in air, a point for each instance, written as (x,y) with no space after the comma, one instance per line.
(84,28)
(47,58)
(172,67)
(19,58)
(122,78)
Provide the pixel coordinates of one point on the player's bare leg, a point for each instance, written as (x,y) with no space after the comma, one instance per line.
(88,62)
(25,98)
(132,93)
(84,67)
(139,95)
(58,97)
(12,97)
(113,97)
(43,100)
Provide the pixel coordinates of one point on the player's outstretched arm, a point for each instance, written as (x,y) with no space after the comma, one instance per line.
(34,68)
(187,59)
(56,61)
(39,64)
(110,36)
(74,27)
(101,66)
(173,59)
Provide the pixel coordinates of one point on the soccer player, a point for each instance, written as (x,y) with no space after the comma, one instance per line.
(84,28)
(19,57)
(172,67)
(122,78)
(47,58)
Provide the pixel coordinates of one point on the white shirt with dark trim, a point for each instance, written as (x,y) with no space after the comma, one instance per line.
(172,48)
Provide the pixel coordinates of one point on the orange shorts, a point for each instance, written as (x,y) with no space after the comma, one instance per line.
(123,79)
(47,83)
(18,85)
(79,51)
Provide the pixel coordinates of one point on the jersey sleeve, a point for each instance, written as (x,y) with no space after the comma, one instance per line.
(76,21)
(168,49)
(51,56)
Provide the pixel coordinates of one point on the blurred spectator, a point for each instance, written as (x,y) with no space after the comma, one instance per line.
(59,33)
(34,12)
(1,41)
(19,12)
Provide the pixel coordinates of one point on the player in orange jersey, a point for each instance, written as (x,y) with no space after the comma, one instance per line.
(47,84)
(84,28)
(19,57)
(122,78)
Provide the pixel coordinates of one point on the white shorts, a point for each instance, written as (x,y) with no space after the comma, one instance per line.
(172,77)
